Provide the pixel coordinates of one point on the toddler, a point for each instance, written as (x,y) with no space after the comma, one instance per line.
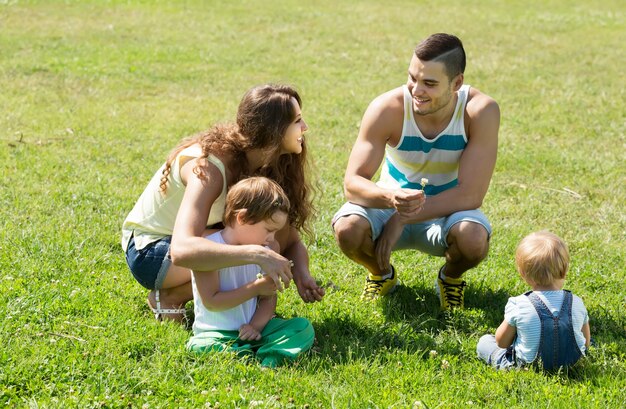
(547,323)
(234,306)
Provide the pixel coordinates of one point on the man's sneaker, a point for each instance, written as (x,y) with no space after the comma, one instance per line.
(450,292)
(377,286)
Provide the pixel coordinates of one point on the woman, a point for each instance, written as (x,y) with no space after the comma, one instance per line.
(163,236)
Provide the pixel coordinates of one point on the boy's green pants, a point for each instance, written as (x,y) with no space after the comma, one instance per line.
(281,340)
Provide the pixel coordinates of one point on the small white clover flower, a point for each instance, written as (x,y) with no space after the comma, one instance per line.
(424,182)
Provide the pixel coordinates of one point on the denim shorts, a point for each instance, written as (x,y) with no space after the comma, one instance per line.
(150,264)
(429,236)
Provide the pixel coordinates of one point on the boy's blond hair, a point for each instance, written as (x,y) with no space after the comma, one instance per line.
(542,257)
(259,196)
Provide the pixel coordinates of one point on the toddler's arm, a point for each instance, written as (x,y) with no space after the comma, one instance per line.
(505,334)
(265,309)
(587,333)
(208,283)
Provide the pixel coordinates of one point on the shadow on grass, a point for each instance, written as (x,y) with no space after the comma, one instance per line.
(342,340)
(413,325)
(422,304)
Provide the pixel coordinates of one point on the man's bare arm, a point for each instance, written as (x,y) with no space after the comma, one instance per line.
(382,122)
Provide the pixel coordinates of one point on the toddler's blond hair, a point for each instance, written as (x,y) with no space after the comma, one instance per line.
(542,257)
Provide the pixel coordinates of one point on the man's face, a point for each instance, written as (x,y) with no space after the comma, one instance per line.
(430,86)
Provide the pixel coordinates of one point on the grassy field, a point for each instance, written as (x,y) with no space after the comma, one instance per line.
(94,94)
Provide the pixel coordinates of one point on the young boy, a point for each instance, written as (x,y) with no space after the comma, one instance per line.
(547,323)
(234,307)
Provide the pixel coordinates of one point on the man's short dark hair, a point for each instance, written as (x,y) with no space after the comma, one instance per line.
(445,48)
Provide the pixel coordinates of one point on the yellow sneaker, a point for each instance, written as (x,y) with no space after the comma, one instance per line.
(377,286)
(450,292)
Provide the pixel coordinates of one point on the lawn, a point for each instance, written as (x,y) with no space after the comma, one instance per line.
(94,94)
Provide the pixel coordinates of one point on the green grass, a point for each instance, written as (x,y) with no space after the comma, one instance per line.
(93,95)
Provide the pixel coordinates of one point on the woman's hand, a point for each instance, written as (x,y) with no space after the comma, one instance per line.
(277,267)
(309,290)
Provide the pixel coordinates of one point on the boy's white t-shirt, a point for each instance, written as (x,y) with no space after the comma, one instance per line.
(230,279)
(520,313)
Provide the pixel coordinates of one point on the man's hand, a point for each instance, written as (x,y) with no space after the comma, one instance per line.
(408,202)
(387,240)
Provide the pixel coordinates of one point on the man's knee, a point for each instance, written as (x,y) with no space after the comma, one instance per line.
(471,240)
(350,231)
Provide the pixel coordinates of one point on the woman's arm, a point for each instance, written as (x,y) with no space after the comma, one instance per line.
(296,251)
(191,250)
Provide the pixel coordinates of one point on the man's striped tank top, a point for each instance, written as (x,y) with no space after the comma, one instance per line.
(416,157)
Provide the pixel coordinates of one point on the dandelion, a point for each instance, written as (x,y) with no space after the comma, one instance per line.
(424,182)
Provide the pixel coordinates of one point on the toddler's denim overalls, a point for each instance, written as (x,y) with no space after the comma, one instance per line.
(558,345)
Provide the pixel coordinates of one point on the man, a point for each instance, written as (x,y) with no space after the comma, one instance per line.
(438,139)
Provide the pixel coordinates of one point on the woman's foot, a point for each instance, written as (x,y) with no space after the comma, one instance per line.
(164,307)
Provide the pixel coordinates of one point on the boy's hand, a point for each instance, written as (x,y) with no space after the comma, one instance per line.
(265,285)
(248,333)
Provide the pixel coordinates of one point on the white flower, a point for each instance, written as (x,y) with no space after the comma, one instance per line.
(424,182)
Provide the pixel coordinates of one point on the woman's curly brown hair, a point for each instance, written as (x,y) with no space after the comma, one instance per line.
(265,112)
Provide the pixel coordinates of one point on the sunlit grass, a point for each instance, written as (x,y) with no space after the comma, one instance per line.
(94,94)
